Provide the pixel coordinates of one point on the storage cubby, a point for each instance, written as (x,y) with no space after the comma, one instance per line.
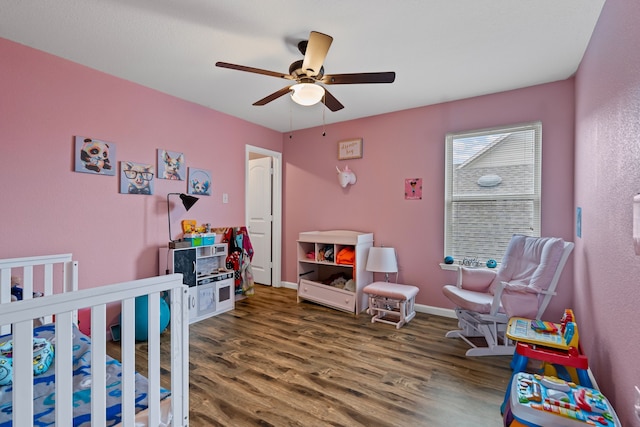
(324,280)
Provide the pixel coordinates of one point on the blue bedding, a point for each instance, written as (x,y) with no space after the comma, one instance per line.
(44,388)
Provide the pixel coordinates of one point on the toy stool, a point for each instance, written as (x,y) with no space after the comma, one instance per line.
(391,303)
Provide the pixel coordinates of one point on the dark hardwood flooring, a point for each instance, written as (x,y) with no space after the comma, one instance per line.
(275,362)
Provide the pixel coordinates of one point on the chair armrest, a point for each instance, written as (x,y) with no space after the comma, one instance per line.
(475,279)
(506,287)
(519,287)
(517,299)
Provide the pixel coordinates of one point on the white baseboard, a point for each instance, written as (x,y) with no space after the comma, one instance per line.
(289,285)
(436,311)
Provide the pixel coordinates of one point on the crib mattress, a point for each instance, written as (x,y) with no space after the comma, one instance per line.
(44,387)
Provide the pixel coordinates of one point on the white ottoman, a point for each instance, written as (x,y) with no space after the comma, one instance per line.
(391,303)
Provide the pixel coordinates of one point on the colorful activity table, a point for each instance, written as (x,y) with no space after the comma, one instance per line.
(554,343)
(542,401)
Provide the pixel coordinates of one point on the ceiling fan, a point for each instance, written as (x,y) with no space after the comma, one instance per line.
(308,72)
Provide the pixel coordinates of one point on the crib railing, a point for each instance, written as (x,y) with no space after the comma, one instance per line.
(18,317)
(40,270)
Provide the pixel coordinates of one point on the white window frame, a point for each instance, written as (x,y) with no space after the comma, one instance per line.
(496,237)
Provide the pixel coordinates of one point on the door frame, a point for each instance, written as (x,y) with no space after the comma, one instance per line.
(276,202)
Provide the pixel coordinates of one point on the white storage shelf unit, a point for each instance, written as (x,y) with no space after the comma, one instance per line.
(313,270)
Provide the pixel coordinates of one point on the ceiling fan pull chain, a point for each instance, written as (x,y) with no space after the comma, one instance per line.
(324,124)
(290,122)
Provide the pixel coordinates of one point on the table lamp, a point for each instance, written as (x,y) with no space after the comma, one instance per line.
(187,202)
(382,260)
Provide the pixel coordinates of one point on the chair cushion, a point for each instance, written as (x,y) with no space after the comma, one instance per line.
(476,279)
(469,300)
(530,261)
(391,290)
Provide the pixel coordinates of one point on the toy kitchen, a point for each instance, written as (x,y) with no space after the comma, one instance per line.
(215,286)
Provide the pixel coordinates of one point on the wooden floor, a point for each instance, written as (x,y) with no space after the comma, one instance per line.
(275,362)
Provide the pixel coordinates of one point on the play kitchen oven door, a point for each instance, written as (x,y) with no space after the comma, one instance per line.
(215,295)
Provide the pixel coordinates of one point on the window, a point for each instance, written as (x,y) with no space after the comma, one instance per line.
(492,189)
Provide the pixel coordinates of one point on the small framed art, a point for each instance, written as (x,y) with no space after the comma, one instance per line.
(171,165)
(350,149)
(413,189)
(136,178)
(94,156)
(199,182)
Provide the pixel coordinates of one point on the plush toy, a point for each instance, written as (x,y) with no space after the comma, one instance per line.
(43,353)
(6,370)
(16,288)
(328,253)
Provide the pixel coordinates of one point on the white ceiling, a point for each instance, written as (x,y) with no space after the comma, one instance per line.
(441,50)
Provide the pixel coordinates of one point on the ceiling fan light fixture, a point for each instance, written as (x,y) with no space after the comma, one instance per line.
(307,93)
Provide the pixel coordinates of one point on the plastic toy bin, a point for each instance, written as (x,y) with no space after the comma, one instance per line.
(195,240)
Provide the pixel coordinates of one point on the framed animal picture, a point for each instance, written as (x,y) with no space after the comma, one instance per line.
(136,178)
(94,156)
(171,165)
(199,182)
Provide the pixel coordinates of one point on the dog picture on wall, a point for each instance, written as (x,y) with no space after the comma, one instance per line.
(136,178)
(171,165)
(199,182)
(94,156)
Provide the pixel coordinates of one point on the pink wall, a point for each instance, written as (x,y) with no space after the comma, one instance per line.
(410,144)
(47,208)
(607,177)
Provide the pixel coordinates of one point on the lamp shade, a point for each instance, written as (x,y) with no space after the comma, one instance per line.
(382,260)
(307,93)
(188,201)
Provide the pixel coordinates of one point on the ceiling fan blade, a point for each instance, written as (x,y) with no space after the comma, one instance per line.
(275,95)
(316,52)
(254,70)
(331,102)
(345,79)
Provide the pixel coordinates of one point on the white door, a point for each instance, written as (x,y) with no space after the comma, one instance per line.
(260,218)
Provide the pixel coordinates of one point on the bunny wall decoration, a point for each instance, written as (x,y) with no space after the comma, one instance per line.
(346,177)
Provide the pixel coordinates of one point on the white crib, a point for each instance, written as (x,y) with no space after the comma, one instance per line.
(56,277)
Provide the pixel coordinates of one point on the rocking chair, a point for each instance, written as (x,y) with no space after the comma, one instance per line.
(522,287)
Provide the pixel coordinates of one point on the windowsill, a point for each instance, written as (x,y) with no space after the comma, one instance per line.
(455,267)
(452,267)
